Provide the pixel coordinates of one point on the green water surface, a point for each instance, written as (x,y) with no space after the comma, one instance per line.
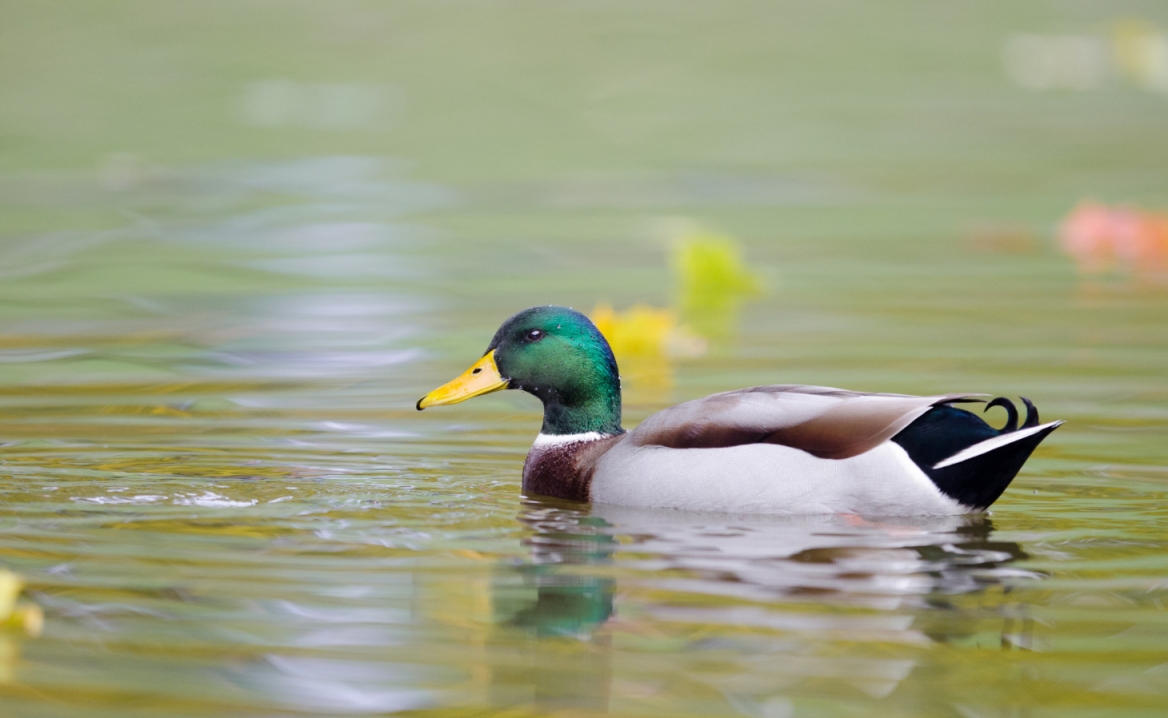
(238,240)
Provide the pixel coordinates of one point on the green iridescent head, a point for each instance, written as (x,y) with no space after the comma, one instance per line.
(556,354)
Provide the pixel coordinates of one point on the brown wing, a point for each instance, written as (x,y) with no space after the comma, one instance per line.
(829,423)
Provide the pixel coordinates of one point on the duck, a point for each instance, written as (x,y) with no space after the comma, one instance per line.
(776,449)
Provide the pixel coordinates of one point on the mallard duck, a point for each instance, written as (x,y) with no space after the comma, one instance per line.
(781,449)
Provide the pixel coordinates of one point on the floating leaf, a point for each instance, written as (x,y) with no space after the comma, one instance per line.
(646,340)
(10,587)
(27,617)
(1100,238)
(645,331)
(1140,50)
(710,269)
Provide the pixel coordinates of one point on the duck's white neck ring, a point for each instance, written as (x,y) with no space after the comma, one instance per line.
(545,440)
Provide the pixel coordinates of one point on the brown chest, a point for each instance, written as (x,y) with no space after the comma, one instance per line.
(564,471)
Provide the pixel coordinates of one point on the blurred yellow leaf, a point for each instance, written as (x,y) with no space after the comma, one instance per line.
(645,331)
(710,269)
(10,587)
(712,280)
(1141,52)
(27,617)
(645,341)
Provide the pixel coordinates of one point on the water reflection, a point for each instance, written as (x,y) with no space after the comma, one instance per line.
(213,477)
(885,564)
(566,604)
(551,611)
(714,576)
(247,270)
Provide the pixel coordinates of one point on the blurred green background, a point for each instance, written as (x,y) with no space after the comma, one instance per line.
(897,101)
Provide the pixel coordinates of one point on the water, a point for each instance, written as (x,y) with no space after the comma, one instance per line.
(216,485)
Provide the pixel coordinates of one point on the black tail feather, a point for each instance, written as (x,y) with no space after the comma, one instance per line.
(1011,410)
(977,481)
(1031,414)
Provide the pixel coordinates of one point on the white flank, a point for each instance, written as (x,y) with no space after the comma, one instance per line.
(546,440)
(989,445)
(768,479)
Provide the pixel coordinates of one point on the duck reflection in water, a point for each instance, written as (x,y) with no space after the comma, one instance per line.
(885,564)
(562,608)
(730,571)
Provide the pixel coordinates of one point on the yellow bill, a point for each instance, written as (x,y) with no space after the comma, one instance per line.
(482,378)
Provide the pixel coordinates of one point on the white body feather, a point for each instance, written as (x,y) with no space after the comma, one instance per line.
(768,479)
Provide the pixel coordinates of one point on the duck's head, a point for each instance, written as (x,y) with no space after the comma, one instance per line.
(558,355)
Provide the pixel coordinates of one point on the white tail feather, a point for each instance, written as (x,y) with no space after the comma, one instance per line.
(996,442)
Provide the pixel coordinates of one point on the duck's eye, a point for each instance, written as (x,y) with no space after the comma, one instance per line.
(534,335)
